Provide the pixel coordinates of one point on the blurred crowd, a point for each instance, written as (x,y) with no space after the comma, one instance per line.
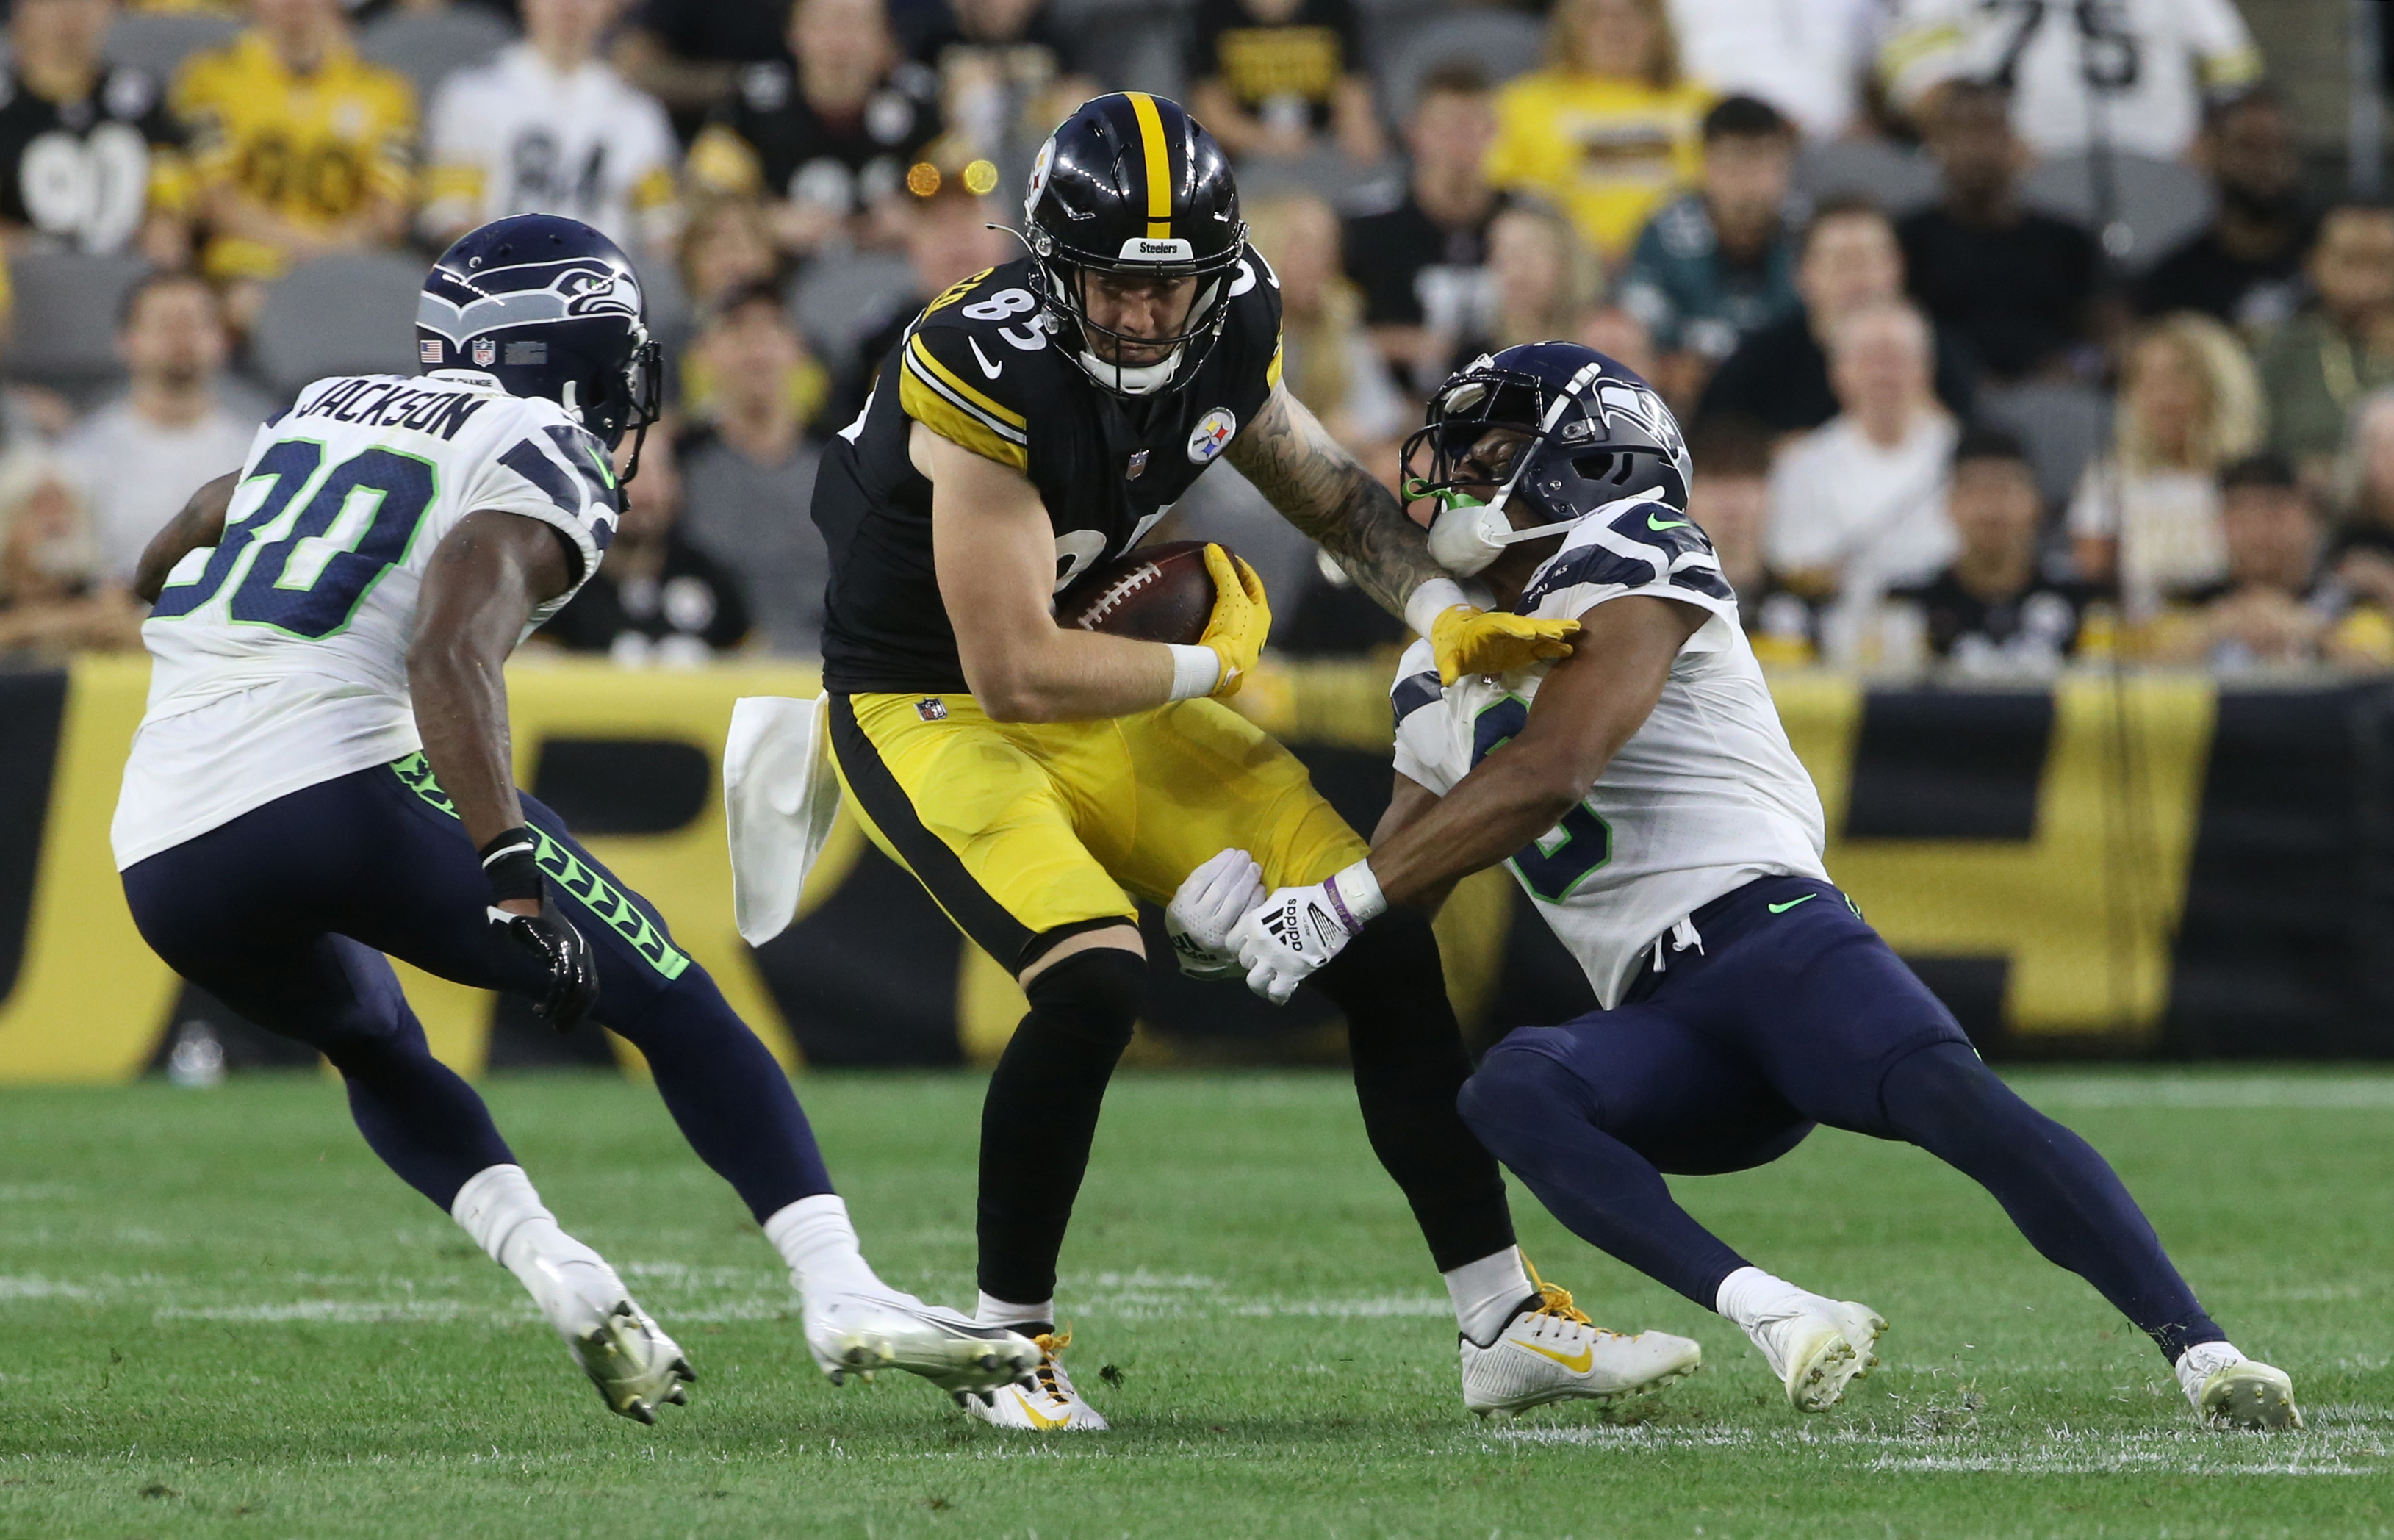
(2005,335)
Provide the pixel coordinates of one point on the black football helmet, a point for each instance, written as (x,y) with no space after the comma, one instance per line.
(551,307)
(1131,184)
(1585,431)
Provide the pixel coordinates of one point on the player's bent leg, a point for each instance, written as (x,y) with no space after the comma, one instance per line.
(2073,1209)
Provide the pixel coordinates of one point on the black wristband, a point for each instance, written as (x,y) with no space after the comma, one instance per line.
(509,863)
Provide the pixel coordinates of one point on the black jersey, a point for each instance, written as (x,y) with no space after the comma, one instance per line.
(977,368)
(83,173)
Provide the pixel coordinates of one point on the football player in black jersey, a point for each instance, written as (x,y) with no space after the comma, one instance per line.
(1038,418)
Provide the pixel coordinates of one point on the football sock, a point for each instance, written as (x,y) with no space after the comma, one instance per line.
(1409,1064)
(815,1238)
(572,1285)
(2063,1196)
(994,1311)
(1754,1299)
(729,1095)
(1535,1119)
(1041,1113)
(1488,1294)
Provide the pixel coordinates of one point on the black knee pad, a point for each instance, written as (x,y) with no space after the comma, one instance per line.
(1093,997)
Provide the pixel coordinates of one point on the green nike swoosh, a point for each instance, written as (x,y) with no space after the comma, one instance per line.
(606,471)
(1783,908)
(1652,523)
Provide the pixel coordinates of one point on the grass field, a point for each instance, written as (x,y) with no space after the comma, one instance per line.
(225,1319)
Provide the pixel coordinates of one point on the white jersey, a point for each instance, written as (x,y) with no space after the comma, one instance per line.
(2128,74)
(515,136)
(280,652)
(1704,798)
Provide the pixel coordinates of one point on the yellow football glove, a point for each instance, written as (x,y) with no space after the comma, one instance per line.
(1492,641)
(1241,619)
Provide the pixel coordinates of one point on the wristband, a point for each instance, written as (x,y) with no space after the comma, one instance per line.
(1430,600)
(511,863)
(1355,896)
(1196,670)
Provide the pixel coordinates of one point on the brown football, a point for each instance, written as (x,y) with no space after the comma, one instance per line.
(1155,593)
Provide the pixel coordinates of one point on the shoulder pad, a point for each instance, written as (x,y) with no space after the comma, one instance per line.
(967,375)
(1417,684)
(1647,544)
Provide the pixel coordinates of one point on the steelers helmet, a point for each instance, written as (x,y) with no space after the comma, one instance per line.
(1131,185)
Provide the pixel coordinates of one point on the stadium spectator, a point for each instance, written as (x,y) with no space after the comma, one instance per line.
(825,135)
(2321,363)
(1010,70)
(656,598)
(55,599)
(748,476)
(1992,609)
(1718,265)
(1544,279)
(1327,360)
(948,240)
(2146,517)
(2272,609)
(548,126)
(141,456)
(1858,506)
(1283,78)
(2245,267)
(1422,264)
(689,53)
(1779,376)
(2129,76)
(2017,286)
(1620,335)
(2361,549)
(1731,501)
(90,158)
(1609,128)
(1807,60)
(300,148)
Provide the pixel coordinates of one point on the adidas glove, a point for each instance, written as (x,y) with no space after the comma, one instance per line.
(1283,940)
(1201,916)
(1241,621)
(548,939)
(1490,641)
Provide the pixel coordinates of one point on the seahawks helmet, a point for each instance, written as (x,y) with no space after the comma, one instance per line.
(548,307)
(1585,433)
(1130,184)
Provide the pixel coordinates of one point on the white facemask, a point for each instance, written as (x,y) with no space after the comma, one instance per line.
(1145,380)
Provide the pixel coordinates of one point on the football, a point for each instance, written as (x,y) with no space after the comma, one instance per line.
(1156,593)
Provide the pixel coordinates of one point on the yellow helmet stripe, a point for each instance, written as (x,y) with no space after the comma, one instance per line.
(1159,165)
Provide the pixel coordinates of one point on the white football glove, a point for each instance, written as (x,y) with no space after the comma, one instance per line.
(1200,918)
(1295,930)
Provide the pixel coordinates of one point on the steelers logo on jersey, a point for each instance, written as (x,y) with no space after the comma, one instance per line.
(1211,436)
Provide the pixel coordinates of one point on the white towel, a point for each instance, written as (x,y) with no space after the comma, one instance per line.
(780,796)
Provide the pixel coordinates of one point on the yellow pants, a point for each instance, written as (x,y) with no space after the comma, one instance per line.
(1022,829)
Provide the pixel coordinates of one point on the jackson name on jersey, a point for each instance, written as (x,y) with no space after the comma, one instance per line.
(1705,797)
(280,652)
(979,368)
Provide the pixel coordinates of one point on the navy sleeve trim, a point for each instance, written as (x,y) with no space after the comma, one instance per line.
(1413,692)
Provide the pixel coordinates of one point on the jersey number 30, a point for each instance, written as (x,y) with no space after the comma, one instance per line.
(1553,866)
(304,581)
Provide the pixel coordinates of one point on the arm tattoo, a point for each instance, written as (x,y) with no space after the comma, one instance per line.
(1321,490)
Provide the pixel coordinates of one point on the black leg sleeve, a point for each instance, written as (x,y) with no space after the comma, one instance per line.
(1041,1113)
(1409,1066)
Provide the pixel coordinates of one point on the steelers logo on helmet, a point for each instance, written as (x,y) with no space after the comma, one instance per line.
(1131,191)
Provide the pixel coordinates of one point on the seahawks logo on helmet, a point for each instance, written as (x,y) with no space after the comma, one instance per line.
(525,295)
(1619,399)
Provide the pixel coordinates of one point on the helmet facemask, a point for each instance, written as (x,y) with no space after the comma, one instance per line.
(1061,276)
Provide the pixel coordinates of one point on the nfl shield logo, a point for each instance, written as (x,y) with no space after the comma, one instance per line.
(931,709)
(1138,463)
(486,353)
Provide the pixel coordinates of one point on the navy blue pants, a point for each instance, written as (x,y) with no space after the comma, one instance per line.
(285,914)
(1795,1013)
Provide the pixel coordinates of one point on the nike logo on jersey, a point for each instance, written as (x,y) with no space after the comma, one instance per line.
(1578,1363)
(991,370)
(1660,524)
(606,471)
(1783,908)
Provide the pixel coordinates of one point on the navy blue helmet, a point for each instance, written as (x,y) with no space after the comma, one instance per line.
(550,307)
(1582,432)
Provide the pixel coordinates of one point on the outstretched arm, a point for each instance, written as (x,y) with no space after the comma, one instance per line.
(200,524)
(1326,491)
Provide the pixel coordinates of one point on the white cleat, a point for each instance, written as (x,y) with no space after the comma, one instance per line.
(634,1365)
(860,1333)
(2237,1393)
(1044,1401)
(1550,1351)
(1820,1348)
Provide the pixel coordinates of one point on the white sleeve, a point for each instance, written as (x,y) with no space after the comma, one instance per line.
(2222,44)
(2094,508)
(1417,700)
(558,473)
(1651,550)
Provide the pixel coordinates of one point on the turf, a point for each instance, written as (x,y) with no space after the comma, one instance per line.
(225,1319)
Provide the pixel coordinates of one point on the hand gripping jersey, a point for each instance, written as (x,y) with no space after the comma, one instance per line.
(1705,797)
(280,654)
(978,369)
